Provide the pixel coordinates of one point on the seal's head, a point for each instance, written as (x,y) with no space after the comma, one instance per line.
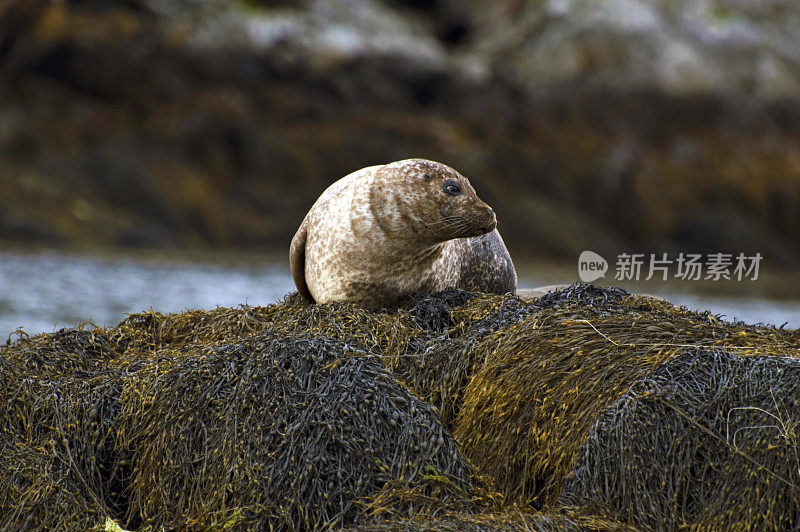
(429,201)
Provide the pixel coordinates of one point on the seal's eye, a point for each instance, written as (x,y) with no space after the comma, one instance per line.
(451,187)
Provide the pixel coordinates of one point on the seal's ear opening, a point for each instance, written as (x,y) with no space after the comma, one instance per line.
(426,177)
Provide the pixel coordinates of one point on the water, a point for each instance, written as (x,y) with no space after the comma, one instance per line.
(750,310)
(47,291)
(43,292)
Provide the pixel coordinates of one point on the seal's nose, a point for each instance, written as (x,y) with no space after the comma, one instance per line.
(492,220)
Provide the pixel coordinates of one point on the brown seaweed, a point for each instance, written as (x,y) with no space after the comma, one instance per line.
(456,411)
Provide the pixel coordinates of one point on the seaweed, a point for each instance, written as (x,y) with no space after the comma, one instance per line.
(527,410)
(455,411)
(283,429)
(708,440)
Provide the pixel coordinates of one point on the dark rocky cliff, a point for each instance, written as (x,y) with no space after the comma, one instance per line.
(646,125)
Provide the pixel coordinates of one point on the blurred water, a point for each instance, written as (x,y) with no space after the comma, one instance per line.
(47,291)
(43,292)
(750,310)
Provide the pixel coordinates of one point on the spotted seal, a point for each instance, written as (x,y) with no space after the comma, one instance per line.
(384,232)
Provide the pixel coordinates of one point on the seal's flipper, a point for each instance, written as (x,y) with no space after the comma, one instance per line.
(486,265)
(297,261)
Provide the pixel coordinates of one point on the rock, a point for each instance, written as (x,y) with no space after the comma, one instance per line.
(724,413)
(611,126)
(711,47)
(461,410)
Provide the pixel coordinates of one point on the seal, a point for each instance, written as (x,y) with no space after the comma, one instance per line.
(382,233)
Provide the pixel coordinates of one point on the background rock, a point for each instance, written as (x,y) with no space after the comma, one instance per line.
(615,126)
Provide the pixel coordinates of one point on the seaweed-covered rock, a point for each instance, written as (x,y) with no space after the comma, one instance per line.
(297,415)
(56,413)
(582,294)
(563,520)
(278,429)
(708,440)
(541,383)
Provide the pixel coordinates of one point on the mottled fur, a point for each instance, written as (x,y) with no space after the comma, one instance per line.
(384,232)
